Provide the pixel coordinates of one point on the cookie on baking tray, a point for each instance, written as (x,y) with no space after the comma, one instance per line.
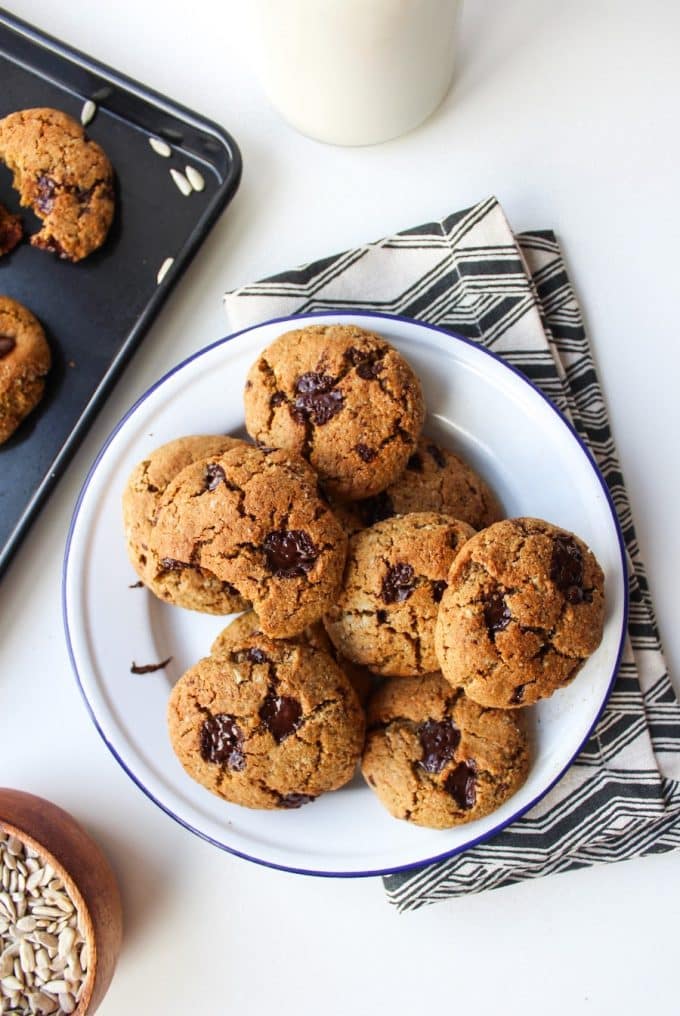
(63,177)
(395,577)
(181,583)
(25,359)
(436,758)
(523,610)
(253,518)
(343,398)
(270,724)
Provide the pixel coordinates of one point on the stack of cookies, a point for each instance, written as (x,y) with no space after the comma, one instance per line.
(389,615)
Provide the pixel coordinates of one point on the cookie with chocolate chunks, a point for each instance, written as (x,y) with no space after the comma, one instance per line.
(267,724)
(25,360)
(523,611)
(66,179)
(183,584)
(254,519)
(395,577)
(341,397)
(436,758)
(434,480)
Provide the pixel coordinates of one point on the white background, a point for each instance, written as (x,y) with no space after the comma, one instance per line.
(569,114)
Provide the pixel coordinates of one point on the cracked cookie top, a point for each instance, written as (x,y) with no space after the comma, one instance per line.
(436,758)
(523,610)
(65,179)
(176,582)
(25,359)
(253,518)
(266,724)
(394,580)
(435,480)
(341,397)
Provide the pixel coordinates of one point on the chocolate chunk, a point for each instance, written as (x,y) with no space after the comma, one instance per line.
(7,344)
(256,655)
(438,588)
(415,463)
(437,455)
(222,741)
(369,369)
(281,715)
(518,694)
(497,614)
(566,568)
(366,453)
(316,399)
(398,583)
(149,668)
(214,476)
(461,784)
(439,739)
(381,616)
(453,540)
(375,509)
(46,189)
(277,398)
(294,800)
(171,564)
(355,356)
(289,553)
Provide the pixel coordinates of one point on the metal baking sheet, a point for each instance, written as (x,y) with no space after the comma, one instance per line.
(97,311)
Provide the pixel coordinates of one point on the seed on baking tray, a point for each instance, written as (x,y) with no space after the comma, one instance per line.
(87,112)
(43,955)
(161,147)
(163,271)
(194,178)
(182,183)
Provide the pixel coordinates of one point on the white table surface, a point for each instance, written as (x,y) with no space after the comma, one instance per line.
(569,114)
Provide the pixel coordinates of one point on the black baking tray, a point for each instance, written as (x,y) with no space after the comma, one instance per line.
(96,312)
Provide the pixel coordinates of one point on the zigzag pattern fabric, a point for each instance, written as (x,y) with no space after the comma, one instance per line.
(468,273)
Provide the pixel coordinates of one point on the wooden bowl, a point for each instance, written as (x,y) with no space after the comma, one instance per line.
(87,877)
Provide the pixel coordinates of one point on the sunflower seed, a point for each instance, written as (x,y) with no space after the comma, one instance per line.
(181,181)
(87,112)
(194,178)
(160,147)
(164,269)
(67,1002)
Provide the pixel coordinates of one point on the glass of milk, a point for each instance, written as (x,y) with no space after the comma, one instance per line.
(355,72)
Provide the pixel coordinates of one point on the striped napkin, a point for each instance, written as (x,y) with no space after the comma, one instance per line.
(471,274)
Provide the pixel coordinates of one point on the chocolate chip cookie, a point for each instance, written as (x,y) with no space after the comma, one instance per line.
(184,585)
(437,759)
(65,179)
(341,397)
(247,625)
(435,480)
(25,359)
(523,610)
(253,518)
(395,578)
(272,724)
(11,231)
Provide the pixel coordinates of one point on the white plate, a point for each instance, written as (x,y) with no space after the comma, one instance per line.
(478,405)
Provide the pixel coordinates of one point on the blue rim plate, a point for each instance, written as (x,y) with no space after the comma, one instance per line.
(479,406)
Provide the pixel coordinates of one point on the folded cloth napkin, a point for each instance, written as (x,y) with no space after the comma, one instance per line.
(470,274)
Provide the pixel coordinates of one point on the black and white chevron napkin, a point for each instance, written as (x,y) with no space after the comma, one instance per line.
(469,273)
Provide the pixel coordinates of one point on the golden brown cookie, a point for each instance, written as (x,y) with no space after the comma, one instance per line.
(64,178)
(254,519)
(438,759)
(435,480)
(25,359)
(272,724)
(341,397)
(523,610)
(11,231)
(176,582)
(395,577)
(244,627)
